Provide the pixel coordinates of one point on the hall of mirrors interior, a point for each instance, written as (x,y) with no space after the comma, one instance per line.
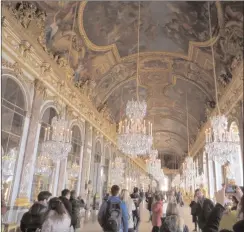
(116,92)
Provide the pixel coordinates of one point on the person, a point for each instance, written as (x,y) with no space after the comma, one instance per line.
(172,197)
(157,213)
(65,197)
(136,213)
(215,216)
(106,197)
(204,208)
(173,222)
(149,200)
(57,218)
(193,206)
(113,215)
(33,219)
(126,199)
(3,206)
(76,206)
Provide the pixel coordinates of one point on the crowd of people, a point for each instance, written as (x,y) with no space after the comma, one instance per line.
(121,211)
(53,214)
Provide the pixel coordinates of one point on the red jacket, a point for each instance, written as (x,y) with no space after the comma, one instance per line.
(157,213)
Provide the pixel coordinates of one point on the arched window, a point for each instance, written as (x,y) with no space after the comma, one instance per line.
(74,158)
(13,115)
(43,182)
(234,170)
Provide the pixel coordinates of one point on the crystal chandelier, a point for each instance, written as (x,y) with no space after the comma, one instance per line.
(8,163)
(57,139)
(154,165)
(117,171)
(74,170)
(43,165)
(188,164)
(135,134)
(220,142)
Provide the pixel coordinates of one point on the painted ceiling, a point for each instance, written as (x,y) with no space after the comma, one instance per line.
(99,41)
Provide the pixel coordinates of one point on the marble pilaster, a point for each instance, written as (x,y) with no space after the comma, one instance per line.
(30,151)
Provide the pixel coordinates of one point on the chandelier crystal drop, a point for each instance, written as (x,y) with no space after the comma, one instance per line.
(43,165)
(154,166)
(221,143)
(136,110)
(57,139)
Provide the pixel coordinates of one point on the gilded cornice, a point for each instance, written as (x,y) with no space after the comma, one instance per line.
(41,67)
(232,95)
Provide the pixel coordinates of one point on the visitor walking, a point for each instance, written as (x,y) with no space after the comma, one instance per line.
(125,198)
(149,200)
(76,210)
(157,213)
(34,218)
(204,208)
(65,197)
(193,206)
(57,218)
(136,213)
(113,214)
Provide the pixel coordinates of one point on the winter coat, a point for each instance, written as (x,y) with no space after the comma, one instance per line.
(203,211)
(75,218)
(67,205)
(56,223)
(157,213)
(149,200)
(33,219)
(173,223)
(215,216)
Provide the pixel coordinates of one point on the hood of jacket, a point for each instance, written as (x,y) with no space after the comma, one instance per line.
(37,209)
(173,223)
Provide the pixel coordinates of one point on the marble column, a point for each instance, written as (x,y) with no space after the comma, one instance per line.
(62,179)
(80,172)
(31,148)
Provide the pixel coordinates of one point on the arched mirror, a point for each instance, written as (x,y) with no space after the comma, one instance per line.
(44,168)
(73,162)
(13,116)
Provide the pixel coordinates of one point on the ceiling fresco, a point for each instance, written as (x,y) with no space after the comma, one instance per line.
(165,26)
(98,41)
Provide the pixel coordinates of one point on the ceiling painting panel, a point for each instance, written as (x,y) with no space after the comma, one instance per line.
(165,26)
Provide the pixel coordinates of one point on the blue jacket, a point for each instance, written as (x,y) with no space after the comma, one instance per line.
(124,221)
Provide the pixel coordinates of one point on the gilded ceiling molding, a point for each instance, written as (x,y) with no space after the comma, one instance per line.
(232,95)
(51,76)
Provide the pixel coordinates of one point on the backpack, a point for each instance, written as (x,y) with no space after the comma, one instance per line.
(113,216)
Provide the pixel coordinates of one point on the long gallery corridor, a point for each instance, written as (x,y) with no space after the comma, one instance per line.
(145,226)
(142,97)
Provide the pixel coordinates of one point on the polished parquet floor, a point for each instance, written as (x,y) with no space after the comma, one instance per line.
(93,226)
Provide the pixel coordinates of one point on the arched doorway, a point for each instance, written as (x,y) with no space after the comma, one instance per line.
(13,117)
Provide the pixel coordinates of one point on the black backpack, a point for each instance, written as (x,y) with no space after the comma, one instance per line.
(113,216)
